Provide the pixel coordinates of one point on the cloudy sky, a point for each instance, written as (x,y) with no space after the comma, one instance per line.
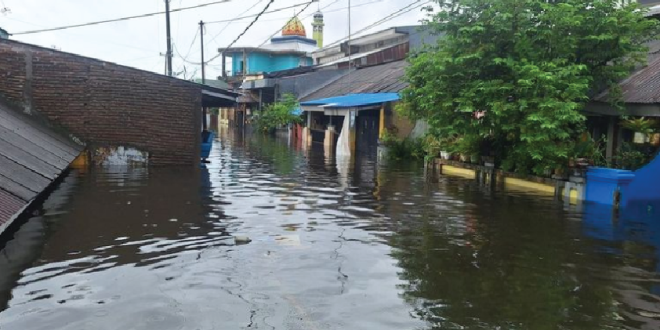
(141,42)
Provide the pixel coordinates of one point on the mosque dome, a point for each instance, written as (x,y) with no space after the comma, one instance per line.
(294,28)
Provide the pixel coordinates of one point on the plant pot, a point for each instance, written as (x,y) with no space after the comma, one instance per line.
(445,155)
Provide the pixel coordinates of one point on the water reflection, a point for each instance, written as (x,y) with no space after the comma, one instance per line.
(336,244)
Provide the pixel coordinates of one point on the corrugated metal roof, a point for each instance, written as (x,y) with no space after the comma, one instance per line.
(32,156)
(353,100)
(642,86)
(9,206)
(384,78)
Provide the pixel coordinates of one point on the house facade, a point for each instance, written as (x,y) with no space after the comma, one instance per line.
(250,66)
(385,46)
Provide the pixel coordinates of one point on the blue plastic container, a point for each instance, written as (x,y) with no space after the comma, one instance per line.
(207,144)
(603,183)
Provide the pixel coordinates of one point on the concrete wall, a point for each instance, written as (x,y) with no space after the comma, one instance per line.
(264,62)
(404,126)
(104,104)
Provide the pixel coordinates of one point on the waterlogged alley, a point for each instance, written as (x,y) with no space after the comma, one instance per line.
(333,246)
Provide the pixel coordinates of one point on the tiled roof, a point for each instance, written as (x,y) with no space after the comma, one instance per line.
(642,86)
(32,156)
(384,78)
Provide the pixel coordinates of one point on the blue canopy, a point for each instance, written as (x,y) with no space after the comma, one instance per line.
(297,111)
(353,100)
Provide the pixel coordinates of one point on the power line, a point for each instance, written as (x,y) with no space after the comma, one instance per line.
(244,31)
(228,23)
(387,18)
(189,48)
(322,9)
(120,19)
(251,16)
(280,29)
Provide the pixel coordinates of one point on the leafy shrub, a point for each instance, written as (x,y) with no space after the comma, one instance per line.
(278,114)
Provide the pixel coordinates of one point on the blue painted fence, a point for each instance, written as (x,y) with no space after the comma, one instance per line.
(606,185)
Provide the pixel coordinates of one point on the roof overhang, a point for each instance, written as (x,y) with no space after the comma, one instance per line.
(216,97)
(258,84)
(653,11)
(354,100)
(632,109)
(240,50)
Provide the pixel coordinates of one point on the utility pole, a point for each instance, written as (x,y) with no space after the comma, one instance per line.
(201,41)
(350,82)
(168,56)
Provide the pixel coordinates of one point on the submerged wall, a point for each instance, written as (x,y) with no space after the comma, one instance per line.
(103,104)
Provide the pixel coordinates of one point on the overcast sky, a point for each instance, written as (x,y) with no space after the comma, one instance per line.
(141,42)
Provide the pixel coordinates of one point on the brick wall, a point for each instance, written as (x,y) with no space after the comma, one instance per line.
(105,104)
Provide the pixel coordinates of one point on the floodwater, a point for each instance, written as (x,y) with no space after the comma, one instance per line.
(333,246)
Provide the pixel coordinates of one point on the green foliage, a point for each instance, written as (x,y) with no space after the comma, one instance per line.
(278,114)
(526,67)
(403,148)
(590,152)
(632,156)
(214,111)
(641,125)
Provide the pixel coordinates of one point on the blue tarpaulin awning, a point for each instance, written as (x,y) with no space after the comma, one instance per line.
(353,100)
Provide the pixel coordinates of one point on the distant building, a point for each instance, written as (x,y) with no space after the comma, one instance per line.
(290,50)
(4,34)
(385,46)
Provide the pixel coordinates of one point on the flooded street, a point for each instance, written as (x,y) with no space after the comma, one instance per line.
(333,246)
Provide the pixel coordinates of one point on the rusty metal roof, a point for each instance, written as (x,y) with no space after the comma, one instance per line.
(384,78)
(642,87)
(32,156)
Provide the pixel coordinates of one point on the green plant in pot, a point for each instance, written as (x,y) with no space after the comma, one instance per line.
(468,148)
(641,126)
(433,146)
(588,152)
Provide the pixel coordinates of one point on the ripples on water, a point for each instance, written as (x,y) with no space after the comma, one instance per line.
(333,247)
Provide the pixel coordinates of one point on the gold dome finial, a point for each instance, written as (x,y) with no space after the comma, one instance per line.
(294,28)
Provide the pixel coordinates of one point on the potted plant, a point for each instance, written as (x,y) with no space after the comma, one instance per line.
(468,148)
(434,147)
(474,158)
(642,127)
(448,148)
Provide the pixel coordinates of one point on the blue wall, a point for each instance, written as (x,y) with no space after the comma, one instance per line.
(264,62)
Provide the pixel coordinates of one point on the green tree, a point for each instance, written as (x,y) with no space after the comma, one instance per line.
(527,67)
(278,114)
